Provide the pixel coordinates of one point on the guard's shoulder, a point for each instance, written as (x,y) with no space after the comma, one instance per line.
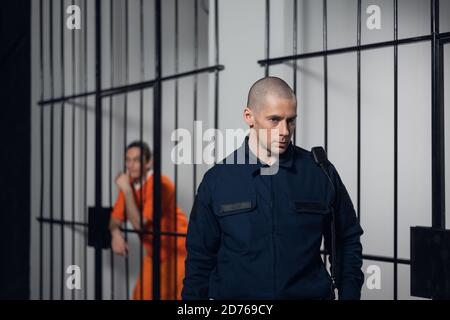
(303,155)
(212,175)
(218,170)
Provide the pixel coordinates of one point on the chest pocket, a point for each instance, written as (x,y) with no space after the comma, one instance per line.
(309,216)
(237,218)
(310,207)
(226,209)
(235,205)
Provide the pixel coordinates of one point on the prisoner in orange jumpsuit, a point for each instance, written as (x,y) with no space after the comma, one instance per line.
(127,207)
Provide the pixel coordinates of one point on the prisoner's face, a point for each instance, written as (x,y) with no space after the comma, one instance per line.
(276,118)
(133,163)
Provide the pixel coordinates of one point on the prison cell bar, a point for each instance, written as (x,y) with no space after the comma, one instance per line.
(395,149)
(62,128)
(363,47)
(294,52)
(325,81)
(141,156)
(325,71)
(127,261)
(438,123)
(216,73)
(358,66)
(194,166)
(157,117)
(83,84)
(51,147)
(41,132)
(267,42)
(98,144)
(73,160)
(85,225)
(176,64)
(132,87)
(112,64)
(124,229)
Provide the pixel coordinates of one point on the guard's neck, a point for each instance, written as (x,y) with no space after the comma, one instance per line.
(258,150)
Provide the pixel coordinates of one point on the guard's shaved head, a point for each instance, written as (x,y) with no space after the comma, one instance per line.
(264,87)
(271,114)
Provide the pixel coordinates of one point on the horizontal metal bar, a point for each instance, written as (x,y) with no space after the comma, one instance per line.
(131,87)
(379,258)
(369,46)
(85,224)
(386,259)
(62,222)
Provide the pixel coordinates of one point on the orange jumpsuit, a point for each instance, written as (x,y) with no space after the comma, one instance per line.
(170,285)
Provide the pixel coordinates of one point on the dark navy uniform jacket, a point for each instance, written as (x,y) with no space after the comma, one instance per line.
(255,236)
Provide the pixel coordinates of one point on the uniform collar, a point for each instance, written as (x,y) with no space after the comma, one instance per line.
(254,164)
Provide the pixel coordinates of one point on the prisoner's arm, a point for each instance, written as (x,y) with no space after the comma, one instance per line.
(132,210)
(114,226)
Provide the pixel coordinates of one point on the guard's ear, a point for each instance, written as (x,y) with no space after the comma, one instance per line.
(249,117)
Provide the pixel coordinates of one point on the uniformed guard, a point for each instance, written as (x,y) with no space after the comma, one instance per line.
(257,234)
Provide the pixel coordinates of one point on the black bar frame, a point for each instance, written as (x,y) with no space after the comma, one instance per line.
(98,144)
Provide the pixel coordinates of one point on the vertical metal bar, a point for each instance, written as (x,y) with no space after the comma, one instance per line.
(438,123)
(84,86)
(41,193)
(325,72)
(62,142)
(266,68)
(51,148)
(175,276)
(195,89)
(358,55)
(294,52)
(141,134)
(125,128)
(325,82)
(111,43)
(395,148)
(157,155)
(98,143)
(216,73)
(73,159)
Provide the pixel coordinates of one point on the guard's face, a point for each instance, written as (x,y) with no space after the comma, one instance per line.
(275,124)
(133,163)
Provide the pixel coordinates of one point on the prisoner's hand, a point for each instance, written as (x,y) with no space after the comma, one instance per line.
(118,244)
(123,182)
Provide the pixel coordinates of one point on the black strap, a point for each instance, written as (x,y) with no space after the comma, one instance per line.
(321,159)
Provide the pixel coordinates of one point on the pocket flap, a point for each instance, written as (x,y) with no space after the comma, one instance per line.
(311,207)
(234,207)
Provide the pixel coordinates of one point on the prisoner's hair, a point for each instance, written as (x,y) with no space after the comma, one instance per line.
(143,146)
(268,86)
